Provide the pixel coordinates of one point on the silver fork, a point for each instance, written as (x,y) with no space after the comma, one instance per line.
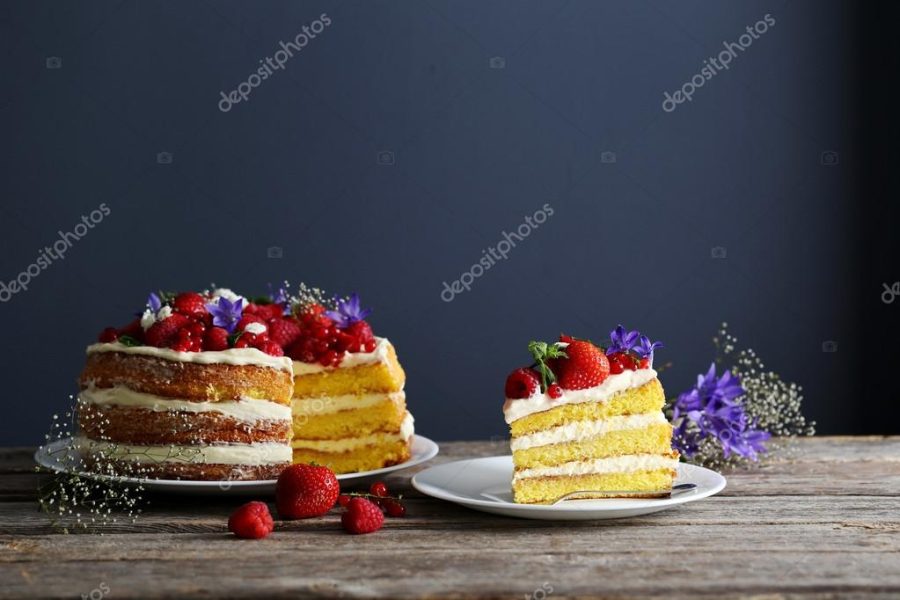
(678,489)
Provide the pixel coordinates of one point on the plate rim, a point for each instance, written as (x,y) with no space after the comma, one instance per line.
(587,505)
(40,457)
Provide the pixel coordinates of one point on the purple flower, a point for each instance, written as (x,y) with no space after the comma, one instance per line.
(621,341)
(226,313)
(154,302)
(281,296)
(645,348)
(714,406)
(348,312)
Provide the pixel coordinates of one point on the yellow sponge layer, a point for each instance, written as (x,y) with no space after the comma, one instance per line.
(366,458)
(647,398)
(385,376)
(384,416)
(655,439)
(544,490)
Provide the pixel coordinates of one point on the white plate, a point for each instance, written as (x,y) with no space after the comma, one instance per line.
(59,456)
(484,484)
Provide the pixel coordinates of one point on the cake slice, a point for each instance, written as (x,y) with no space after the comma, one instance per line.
(587,420)
(191,390)
(349,407)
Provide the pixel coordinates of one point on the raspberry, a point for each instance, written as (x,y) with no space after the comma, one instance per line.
(108,335)
(216,338)
(393,507)
(378,489)
(246,320)
(284,331)
(521,383)
(306,491)
(269,311)
(362,334)
(163,334)
(190,304)
(362,516)
(270,347)
(554,390)
(252,521)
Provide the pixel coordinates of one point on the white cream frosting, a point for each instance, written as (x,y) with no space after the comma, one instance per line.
(264,453)
(232,356)
(352,443)
(350,359)
(247,410)
(616,464)
(332,404)
(515,409)
(582,430)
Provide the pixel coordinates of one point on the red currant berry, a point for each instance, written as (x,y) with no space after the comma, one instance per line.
(554,391)
(343,500)
(393,508)
(378,489)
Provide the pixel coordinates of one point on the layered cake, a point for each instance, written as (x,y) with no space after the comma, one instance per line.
(191,389)
(349,407)
(585,419)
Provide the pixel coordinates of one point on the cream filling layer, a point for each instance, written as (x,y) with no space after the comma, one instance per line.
(350,359)
(265,453)
(332,404)
(354,443)
(616,464)
(515,409)
(581,430)
(247,410)
(232,356)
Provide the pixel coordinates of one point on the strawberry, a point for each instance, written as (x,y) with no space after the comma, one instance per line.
(362,516)
(108,335)
(164,333)
(521,383)
(620,361)
(216,338)
(284,331)
(190,304)
(585,367)
(251,521)
(133,329)
(306,491)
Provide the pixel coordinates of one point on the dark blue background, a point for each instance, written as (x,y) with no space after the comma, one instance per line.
(474,150)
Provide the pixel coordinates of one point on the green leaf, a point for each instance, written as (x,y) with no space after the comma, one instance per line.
(127,340)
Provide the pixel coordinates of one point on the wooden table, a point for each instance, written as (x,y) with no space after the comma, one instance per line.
(825,524)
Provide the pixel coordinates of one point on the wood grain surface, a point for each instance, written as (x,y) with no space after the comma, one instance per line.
(822,523)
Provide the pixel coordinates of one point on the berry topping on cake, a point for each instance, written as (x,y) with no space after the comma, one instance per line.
(362,516)
(306,491)
(164,333)
(522,383)
(585,366)
(554,391)
(190,304)
(215,339)
(284,331)
(546,357)
(251,521)
(108,335)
